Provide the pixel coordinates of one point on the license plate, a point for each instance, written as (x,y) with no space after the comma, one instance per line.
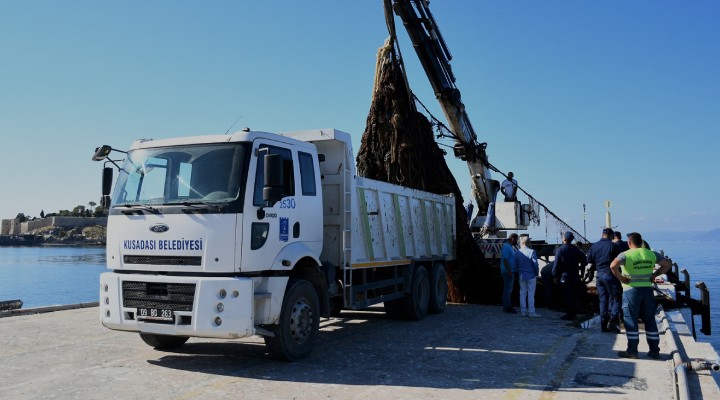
(156,314)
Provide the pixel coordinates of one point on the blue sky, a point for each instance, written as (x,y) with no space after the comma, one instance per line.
(584,101)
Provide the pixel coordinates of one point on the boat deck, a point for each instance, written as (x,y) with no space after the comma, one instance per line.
(467,352)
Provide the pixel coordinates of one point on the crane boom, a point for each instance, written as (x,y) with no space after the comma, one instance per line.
(435,59)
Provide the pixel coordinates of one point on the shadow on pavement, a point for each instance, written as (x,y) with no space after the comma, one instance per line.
(466,347)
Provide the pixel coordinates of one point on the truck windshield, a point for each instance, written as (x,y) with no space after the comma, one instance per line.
(194,174)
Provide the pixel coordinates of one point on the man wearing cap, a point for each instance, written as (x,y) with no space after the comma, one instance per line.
(601,254)
(635,269)
(508,267)
(569,265)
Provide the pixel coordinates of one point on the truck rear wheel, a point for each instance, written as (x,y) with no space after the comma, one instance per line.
(299,323)
(163,341)
(438,289)
(417,301)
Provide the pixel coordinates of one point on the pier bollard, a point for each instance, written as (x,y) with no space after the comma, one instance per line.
(705,313)
(686,274)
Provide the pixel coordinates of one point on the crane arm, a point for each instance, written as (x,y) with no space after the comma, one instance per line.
(435,59)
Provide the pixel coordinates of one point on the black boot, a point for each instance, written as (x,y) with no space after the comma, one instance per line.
(604,324)
(613,326)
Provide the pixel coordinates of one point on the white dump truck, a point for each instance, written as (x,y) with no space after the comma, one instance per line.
(255,233)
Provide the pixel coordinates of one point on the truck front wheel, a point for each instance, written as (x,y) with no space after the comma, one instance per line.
(163,341)
(299,323)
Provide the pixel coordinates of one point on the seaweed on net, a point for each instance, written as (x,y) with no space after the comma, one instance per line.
(398,147)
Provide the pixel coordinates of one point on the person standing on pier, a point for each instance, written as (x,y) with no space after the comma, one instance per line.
(635,270)
(622,245)
(601,254)
(508,267)
(528,272)
(569,265)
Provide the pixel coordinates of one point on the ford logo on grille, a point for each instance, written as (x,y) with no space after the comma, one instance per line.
(159,228)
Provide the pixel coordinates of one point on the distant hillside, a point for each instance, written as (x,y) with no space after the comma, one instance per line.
(689,235)
(704,236)
(710,236)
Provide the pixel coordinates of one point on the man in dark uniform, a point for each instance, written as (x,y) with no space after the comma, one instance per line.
(601,254)
(622,245)
(568,268)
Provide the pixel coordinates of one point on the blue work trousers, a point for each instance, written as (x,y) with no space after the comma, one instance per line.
(609,293)
(508,280)
(639,302)
(569,288)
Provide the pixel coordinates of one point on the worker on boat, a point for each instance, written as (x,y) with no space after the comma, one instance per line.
(509,188)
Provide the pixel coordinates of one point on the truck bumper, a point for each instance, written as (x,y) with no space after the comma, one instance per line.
(186,306)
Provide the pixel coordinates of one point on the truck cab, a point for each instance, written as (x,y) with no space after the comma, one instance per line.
(188,227)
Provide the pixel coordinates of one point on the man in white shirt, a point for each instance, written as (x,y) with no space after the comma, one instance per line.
(509,188)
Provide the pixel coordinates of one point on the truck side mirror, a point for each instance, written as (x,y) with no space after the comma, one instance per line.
(106,185)
(273,178)
(107,181)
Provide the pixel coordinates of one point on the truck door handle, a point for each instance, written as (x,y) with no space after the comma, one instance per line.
(296,230)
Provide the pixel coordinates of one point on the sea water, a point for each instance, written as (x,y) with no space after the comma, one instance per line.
(700,259)
(50,275)
(43,276)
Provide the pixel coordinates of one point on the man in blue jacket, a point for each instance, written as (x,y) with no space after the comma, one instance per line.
(601,254)
(569,265)
(508,267)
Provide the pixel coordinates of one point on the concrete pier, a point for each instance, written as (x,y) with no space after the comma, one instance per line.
(468,352)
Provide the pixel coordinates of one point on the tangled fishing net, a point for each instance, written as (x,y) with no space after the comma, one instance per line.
(398,147)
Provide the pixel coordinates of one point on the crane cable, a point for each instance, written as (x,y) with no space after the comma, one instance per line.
(534,203)
(535,216)
(390,47)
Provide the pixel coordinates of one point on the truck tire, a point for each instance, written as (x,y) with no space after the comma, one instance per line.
(438,289)
(163,341)
(417,301)
(299,323)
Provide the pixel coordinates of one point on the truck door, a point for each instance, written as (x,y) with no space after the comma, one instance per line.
(267,230)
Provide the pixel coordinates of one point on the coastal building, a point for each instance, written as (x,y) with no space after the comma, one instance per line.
(15,227)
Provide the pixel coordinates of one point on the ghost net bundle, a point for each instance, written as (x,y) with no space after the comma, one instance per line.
(398,147)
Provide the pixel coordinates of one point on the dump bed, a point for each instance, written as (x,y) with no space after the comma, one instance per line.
(392,224)
(368,223)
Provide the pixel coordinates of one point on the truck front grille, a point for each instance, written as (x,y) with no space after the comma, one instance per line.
(162,260)
(166,296)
